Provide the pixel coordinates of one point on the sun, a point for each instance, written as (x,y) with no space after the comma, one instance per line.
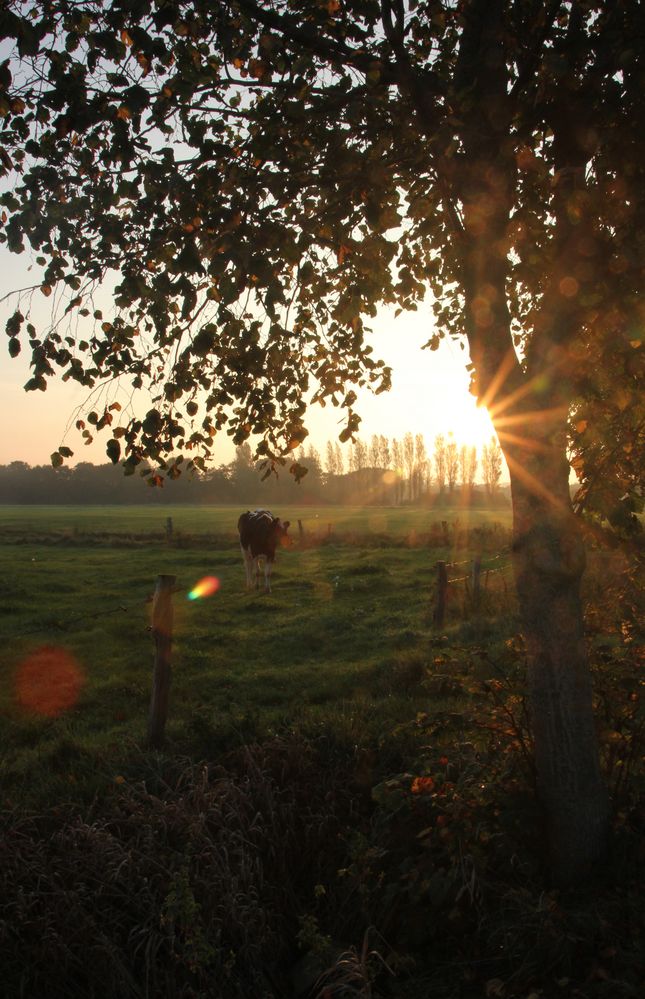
(470,424)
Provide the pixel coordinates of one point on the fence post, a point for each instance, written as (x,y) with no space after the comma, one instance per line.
(162,617)
(301,530)
(476,579)
(442,589)
(168,528)
(446,535)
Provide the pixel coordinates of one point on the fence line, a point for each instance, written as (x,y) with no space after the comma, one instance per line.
(80,618)
(444,581)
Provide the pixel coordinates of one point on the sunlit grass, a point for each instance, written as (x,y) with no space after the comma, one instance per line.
(222,520)
(340,620)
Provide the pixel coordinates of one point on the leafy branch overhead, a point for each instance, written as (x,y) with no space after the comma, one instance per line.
(250,181)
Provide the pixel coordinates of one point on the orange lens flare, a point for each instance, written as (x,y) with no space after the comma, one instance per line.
(204,588)
(49,681)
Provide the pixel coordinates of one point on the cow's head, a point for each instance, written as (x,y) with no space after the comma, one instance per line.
(280,527)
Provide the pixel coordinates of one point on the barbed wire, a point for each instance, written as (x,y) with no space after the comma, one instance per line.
(484,570)
(63,625)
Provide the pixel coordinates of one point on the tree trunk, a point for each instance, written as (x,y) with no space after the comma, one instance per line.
(549,561)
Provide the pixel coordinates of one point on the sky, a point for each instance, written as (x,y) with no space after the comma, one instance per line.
(429,392)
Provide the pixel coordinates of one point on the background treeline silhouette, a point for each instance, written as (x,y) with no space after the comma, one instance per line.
(381,472)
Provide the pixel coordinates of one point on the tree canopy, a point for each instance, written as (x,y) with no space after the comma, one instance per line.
(252,181)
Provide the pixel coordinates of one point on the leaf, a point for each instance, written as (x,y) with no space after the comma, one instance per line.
(113,450)
(422,785)
(56,459)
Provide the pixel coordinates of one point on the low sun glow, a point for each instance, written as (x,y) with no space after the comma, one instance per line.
(470,424)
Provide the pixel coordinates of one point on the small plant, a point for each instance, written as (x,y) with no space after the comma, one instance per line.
(353,973)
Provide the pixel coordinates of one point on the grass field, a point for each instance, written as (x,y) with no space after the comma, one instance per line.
(222,520)
(340,623)
(344,805)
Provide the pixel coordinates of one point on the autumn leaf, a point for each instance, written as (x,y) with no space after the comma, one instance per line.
(342,252)
(422,785)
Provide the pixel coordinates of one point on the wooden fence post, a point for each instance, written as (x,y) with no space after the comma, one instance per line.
(162,617)
(476,579)
(442,589)
(446,535)
(301,530)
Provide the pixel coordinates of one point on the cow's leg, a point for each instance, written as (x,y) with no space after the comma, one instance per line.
(268,566)
(248,563)
(257,573)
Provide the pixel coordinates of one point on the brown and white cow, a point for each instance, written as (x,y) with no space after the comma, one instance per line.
(260,534)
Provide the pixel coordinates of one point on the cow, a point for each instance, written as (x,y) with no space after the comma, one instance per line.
(260,535)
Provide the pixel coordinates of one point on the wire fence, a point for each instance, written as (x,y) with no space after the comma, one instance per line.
(78,619)
(472,579)
(64,623)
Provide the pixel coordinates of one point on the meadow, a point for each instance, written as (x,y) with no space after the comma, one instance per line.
(340,615)
(354,782)
(119,521)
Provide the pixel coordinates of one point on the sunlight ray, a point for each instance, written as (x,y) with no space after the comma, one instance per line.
(536,487)
(526,442)
(542,415)
(498,408)
(498,379)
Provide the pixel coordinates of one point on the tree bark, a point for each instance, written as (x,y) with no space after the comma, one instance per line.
(549,561)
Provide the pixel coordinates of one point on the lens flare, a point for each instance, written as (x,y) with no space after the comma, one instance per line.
(49,681)
(204,588)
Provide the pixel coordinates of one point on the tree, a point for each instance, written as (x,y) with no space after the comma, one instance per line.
(385,458)
(452,462)
(397,461)
(463,464)
(407,449)
(257,178)
(492,465)
(420,464)
(440,461)
(375,451)
(340,461)
(468,466)
(471,468)
(331,464)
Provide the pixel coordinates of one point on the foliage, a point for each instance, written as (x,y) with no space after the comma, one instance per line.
(254,181)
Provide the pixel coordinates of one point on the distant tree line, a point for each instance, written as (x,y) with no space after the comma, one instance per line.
(403,471)
(382,471)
